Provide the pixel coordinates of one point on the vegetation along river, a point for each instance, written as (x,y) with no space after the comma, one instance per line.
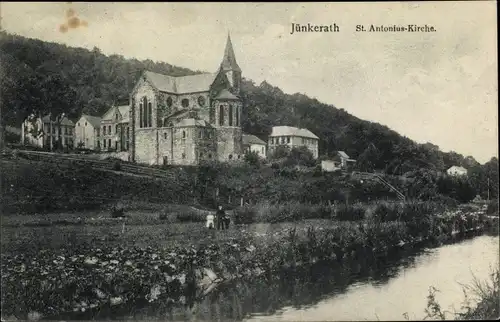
(385,289)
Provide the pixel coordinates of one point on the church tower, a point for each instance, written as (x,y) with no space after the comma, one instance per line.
(230,67)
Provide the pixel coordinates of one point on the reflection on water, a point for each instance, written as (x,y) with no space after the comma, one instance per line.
(365,289)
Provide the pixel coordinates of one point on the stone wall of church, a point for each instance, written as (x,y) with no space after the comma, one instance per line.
(145,142)
(229,143)
(170,103)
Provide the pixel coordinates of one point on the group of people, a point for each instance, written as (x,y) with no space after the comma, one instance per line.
(221,220)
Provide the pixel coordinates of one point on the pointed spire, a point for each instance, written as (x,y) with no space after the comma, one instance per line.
(229,60)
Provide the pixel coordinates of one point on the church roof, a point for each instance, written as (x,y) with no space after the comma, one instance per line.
(229,60)
(252,139)
(292,131)
(182,84)
(192,122)
(226,95)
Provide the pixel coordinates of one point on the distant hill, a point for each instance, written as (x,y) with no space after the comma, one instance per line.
(77,80)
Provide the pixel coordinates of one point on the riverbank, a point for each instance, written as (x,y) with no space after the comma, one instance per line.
(83,278)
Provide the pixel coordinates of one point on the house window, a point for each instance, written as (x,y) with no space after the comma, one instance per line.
(210,155)
(184,155)
(201,155)
(185,103)
(116,128)
(237,114)
(287,139)
(183,134)
(85,123)
(201,101)
(116,117)
(104,143)
(230,115)
(221,114)
(109,142)
(282,140)
(230,157)
(103,130)
(238,156)
(109,130)
(200,134)
(165,122)
(165,135)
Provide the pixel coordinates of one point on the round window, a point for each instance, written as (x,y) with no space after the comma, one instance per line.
(185,102)
(169,101)
(201,101)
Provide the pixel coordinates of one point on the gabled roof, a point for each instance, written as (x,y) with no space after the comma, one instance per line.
(110,114)
(64,120)
(226,95)
(229,59)
(181,84)
(94,120)
(124,111)
(343,155)
(292,131)
(252,139)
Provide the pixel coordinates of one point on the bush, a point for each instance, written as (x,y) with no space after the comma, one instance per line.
(350,212)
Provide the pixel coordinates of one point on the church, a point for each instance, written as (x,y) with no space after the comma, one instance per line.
(185,120)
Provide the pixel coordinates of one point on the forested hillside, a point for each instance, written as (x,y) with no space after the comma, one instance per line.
(42,76)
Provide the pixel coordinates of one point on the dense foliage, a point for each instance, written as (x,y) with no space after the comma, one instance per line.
(43,77)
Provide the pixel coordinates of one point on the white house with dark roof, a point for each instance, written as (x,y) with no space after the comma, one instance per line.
(184,120)
(251,143)
(87,132)
(115,129)
(293,137)
(46,132)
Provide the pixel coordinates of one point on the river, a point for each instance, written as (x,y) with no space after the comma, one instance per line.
(356,292)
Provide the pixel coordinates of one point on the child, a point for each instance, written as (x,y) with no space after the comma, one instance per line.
(210,221)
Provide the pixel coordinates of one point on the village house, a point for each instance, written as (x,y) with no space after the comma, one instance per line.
(293,137)
(115,129)
(87,132)
(46,133)
(456,171)
(251,143)
(184,120)
(344,159)
(330,166)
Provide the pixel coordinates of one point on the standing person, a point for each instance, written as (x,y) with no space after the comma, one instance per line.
(210,221)
(227,220)
(220,218)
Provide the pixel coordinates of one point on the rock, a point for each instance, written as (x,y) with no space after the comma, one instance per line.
(115,301)
(209,273)
(34,316)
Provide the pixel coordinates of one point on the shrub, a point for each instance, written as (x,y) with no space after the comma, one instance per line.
(350,212)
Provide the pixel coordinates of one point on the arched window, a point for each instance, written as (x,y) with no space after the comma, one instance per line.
(210,155)
(230,115)
(150,115)
(185,103)
(141,115)
(230,157)
(144,112)
(237,114)
(221,114)
(183,134)
(165,135)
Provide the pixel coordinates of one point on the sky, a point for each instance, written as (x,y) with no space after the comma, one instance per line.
(439,87)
